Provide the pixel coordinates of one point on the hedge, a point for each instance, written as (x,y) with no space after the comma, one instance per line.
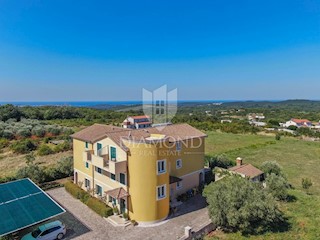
(95,204)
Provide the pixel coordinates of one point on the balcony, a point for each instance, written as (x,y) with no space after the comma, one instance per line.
(87,155)
(101,161)
(116,167)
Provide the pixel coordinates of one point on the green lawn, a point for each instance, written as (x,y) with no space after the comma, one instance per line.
(298,158)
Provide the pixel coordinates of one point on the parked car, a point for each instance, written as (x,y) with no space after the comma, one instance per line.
(49,231)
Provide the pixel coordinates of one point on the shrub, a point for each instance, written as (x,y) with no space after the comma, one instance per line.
(24,132)
(278,137)
(45,150)
(23,146)
(39,131)
(99,207)
(306,183)
(95,204)
(8,134)
(4,143)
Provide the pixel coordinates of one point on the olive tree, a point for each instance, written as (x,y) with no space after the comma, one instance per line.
(235,203)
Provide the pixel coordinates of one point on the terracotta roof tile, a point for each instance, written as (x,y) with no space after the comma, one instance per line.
(247,169)
(117,193)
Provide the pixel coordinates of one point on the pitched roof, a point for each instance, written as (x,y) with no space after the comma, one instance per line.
(300,120)
(246,169)
(117,193)
(140,117)
(95,132)
(175,132)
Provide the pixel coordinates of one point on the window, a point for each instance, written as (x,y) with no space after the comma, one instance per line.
(112,200)
(87,183)
(161,166)
(162,103)
(179,185)
(113,176)
(123,178)
(113,152)
(179,163)
(99,147)
(178,146)
(98,170)
(161,192)
(87,145)
(98,190)
(87,165)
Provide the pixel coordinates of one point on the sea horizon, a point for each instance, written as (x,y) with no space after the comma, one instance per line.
(119,103)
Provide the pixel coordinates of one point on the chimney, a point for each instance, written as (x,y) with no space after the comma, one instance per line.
(239,161)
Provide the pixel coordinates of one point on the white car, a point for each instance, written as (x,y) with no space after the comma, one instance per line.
(49,231)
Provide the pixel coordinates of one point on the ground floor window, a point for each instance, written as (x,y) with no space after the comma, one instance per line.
(112,200)
(87,183)
(161,192)
(98,190)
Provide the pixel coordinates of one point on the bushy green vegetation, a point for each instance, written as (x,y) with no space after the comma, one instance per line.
(24,146)
(25,128)
(38,174)
(238,204)
(95,204)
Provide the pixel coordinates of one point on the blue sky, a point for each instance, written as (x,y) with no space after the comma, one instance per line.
(110,50)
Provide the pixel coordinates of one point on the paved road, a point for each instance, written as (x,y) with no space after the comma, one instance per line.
(194,214)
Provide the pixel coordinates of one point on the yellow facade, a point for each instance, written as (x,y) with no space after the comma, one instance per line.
(139,165)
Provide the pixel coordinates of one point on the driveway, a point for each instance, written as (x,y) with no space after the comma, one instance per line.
(194,214)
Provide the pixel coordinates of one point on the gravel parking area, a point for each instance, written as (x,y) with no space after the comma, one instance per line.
(92,226)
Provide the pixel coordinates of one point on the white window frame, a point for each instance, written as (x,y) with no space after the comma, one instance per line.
(178,161)
(165,167)
(180,185)
(164,186)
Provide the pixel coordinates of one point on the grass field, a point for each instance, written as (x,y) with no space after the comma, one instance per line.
(299,159)
(10,162)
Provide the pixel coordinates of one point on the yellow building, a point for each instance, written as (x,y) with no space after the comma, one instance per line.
(140,171)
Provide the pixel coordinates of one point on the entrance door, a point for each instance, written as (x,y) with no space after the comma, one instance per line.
(122,205)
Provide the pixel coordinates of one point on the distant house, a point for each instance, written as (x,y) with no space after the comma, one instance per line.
(298,123)
(258,124)
(244,170)
(255,116)
(137,122)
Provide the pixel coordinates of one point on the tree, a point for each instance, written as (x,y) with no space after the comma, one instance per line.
(306,183)
(278,137)
(9,111)
(238,204)
(277,186)
(219,161)
(32,171)
(272,167)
